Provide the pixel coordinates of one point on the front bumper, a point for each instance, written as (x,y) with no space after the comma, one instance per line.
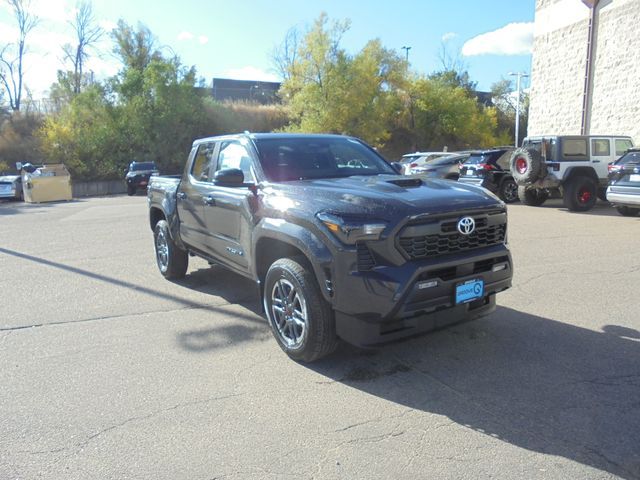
(624,196)
(393,302)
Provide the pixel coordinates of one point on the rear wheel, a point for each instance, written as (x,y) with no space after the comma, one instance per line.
(628,211)
(508,190)
(533,197)
(580,194)
(172,261)
(301,321)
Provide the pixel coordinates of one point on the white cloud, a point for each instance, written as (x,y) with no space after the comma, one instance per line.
(449,36)
(203,39)
(512,39)
(54,10)
(107,25)
(250,73)
(185,36)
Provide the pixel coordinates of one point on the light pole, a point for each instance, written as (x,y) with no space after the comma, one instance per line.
(519,76)
(406,49)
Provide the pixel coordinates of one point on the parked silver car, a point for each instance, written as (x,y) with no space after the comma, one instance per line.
(418,159)
(11,187)
(442,167)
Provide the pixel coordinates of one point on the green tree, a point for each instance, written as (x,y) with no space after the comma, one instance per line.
(447,115)
(149,111)
(328,90)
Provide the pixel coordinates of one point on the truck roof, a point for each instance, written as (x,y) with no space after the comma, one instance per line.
(259,136)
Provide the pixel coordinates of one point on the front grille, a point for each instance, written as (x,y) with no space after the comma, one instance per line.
(443,238)
(365,258)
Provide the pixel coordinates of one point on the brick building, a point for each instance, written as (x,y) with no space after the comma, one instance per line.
(585,73)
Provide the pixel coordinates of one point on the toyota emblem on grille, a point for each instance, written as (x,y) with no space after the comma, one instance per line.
(466,225)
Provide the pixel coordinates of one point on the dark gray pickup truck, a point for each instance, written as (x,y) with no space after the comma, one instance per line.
(339,243)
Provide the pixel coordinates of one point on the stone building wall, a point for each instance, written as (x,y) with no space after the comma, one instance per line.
(615,99)
(559,67)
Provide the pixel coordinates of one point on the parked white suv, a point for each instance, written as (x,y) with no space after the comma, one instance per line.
(575,166)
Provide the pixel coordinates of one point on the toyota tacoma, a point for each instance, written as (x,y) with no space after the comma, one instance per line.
(340,244)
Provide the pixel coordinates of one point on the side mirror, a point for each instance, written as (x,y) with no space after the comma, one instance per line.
(230,177)
(397,167)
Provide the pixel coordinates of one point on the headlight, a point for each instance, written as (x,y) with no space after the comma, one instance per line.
(349,231)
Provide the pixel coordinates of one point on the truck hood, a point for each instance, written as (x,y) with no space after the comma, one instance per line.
(380,196)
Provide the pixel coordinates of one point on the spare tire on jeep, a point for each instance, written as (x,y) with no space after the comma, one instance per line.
(527,166)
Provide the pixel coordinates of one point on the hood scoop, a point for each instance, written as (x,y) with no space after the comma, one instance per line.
(406,182)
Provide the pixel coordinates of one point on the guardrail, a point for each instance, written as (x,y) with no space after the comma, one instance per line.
(98,188)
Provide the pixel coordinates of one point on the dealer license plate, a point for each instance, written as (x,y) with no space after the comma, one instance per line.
(469,291)
(470,171)
(634,178)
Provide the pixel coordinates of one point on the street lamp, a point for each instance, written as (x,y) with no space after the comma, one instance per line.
(519,76)
(406,49)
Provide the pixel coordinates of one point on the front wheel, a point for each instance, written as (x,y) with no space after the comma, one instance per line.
(172,261)
(532,196)
(131,190)
(580,194)
(508,191)
(301,321)
(628,211)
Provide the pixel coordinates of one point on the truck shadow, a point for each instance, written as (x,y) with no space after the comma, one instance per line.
(533,382)
(236,290)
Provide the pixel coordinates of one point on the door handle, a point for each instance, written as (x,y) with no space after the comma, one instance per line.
(209,200)
(181,195)
(596,161)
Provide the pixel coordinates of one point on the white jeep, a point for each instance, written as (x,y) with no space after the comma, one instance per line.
(573,166)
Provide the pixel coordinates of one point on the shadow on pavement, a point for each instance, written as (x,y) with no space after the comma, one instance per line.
(13,207)
(220,282)
(533,382)
(601,209)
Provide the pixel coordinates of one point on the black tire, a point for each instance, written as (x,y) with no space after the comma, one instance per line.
(628,211)
(171,260)
(602,194)
(508,191)
(534,197)
(131,190)
(580,194)
(288,280)
(527,166)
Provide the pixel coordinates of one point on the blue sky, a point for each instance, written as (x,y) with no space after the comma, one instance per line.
(234,39)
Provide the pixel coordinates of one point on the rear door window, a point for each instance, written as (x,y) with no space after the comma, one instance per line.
(600,147)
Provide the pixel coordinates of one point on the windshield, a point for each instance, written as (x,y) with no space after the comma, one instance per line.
(139,166)
(287,159)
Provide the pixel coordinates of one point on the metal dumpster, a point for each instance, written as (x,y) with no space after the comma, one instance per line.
(49,183)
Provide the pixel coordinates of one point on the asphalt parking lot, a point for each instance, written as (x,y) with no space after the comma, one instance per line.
(109,371)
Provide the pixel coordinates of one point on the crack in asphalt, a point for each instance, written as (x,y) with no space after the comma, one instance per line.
(80,446)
